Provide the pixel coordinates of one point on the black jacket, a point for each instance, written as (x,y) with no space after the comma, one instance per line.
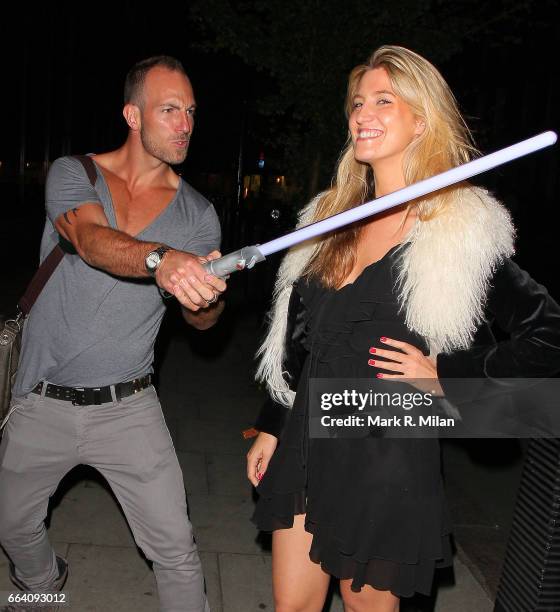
(516,303)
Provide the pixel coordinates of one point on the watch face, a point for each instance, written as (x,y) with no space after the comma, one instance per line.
(152,260)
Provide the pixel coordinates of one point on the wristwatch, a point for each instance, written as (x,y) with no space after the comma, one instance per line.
(154,258)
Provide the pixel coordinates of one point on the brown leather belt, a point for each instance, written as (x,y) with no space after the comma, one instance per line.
(86,396)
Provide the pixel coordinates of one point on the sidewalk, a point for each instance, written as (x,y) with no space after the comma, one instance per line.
(208,397)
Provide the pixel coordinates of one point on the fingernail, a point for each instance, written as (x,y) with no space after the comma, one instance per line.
(379,375)
(259,476)
(371,362)
(383,339)
(372,350)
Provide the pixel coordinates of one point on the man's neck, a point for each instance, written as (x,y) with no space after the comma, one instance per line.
(136,168)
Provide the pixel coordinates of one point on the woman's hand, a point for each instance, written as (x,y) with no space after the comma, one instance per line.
(410,364)
(259,455)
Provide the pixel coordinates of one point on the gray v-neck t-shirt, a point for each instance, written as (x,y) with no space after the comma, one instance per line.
(89,328)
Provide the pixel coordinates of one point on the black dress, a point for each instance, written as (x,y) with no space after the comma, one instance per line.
(374,505)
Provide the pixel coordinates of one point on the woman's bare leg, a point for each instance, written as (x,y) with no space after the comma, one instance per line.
(299,585)
(368,599)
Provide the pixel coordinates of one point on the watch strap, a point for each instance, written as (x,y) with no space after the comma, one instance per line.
(161,251)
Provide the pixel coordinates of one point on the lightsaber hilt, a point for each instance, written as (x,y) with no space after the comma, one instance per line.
(246,257)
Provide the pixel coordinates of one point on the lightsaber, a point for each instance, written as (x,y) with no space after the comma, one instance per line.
(248,256)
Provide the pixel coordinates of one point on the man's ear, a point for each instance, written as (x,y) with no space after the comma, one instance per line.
(132,116)
(420,126)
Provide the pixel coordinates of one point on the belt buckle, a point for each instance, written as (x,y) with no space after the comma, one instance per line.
(139,384)
(87,396)
(78,397)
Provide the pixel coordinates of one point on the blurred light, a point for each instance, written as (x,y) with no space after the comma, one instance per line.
(261,163)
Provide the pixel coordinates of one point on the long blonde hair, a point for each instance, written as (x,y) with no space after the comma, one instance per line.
(445,142)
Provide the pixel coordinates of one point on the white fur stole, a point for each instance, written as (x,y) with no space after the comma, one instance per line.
(443,278)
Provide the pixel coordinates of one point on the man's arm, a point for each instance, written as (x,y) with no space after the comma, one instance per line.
(113,251)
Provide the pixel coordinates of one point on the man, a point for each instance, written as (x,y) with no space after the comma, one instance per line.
(83,392)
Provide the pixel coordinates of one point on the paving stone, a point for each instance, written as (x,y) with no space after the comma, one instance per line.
(227,475)
(484,547)
(222,523)
(211,571)
(466,595)
(89,516)
(482,480)
(246,582)
(194,472)
(102,578)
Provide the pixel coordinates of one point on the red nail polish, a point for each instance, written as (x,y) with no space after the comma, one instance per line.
(371,362)
(379,375)
(372,350)
(259,476)
(383,338)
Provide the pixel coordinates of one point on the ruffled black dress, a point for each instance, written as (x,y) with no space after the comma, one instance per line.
(374,505)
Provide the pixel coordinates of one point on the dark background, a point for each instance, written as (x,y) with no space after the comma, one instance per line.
(269,78)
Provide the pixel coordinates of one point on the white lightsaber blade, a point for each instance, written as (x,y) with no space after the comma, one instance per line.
(249,256)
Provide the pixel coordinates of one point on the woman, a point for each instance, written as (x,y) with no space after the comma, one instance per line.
(406,295)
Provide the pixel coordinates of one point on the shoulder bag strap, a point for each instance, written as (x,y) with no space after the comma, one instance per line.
(51,261)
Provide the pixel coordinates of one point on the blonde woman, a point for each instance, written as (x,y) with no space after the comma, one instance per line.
(408,294)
